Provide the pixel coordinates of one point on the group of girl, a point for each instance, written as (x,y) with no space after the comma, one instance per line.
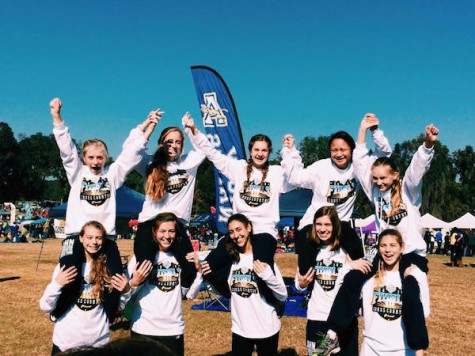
(88,281)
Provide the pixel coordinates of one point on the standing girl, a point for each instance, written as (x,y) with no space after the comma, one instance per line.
(332,180)
(170,179)
(322,265)
(255,289)
(93,193)
(86,316)
(397,204)
(157,285)
(256,194)
(383,300)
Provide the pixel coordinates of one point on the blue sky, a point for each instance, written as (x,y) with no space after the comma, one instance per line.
(304,67)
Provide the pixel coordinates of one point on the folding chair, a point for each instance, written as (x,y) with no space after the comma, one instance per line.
(211,296)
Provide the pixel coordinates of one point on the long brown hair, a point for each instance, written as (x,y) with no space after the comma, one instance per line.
(379,275)
(396,187)
(230,245)
(331,212)
(265,169)
(168,217)
(99,275)
(157,173)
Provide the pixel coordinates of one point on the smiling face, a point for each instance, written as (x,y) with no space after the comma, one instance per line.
(324,229)
(384,177)
(173,143)
(92,240)
(240,234)
(340,153)
(390,250)
(165,235)
(260,154)
(95,157)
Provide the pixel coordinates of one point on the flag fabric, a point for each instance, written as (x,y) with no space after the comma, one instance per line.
(221,124)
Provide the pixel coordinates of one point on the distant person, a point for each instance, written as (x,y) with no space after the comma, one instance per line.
(447,243)
(471,244)
(87,313)
(439,239)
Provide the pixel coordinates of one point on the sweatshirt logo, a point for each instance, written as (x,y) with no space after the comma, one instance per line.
(254,196)
(243,282)
(165,276)
(95,193)
(338,192)
(387,302)
(176,181)
(326,273)
(86,301)
(386,207)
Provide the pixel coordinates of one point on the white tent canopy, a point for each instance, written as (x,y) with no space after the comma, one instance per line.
(429,221)
(464,222)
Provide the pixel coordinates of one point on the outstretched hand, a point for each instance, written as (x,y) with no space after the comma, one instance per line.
(188,122)
(431,135)
(120,282)
(288,141)
(369,121)
(205,268)
(148,126)
(140,273)
(193,257)
(55,108)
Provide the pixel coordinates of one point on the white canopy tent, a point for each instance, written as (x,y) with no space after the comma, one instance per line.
(429,221)
(466,221)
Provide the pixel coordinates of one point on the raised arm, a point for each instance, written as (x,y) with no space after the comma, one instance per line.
(226,164)
(55,108)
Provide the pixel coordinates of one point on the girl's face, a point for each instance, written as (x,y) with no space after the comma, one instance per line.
(174,144)
(384,177)
(95,157)
(239,233)
(324,229)
(260,154)
(165,235)
(390,251)
(92,241)
(340,153)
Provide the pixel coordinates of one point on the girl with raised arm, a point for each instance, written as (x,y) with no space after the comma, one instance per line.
(86,316)
(92,195)
(258,186)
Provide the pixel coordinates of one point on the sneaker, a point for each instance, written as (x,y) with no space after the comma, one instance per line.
(327,346)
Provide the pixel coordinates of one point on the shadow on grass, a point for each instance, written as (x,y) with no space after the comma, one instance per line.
(283,352)
(9,279)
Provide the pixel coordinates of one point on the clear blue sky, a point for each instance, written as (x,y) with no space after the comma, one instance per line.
(304,67)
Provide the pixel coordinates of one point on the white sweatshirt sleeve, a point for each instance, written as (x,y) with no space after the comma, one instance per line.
(227,165)
(275,282)
(423,283)
(51,294)
(294,169)
(69,154)
(382,148)
(195,287)
(362,162)
(418,167)
(128,159)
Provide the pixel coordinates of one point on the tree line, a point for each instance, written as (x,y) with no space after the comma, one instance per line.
(31,169)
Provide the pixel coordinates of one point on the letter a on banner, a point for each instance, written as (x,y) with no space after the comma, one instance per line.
(222,128)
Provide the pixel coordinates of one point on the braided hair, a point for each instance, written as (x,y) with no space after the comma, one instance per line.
(396,187)
(265,169)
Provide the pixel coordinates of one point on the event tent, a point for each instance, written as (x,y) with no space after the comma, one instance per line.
(431,222)
(295,202)
(466,221)
(129,204)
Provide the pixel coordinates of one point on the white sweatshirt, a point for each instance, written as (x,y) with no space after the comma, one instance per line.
(158,301)
(329,184)
(408,220)
(93,197)
(180,187)
(384,332)
(261,207)
(251,315)
(330,269)
(85,323)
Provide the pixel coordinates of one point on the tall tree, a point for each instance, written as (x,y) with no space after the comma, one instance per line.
(464,162)
(9,173)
